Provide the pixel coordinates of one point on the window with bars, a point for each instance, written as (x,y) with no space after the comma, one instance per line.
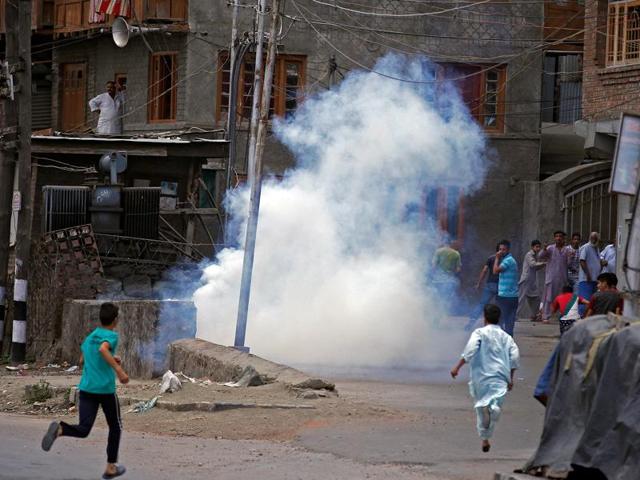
(562,88)
(163,79)
(482,89)
(286,94)
(623,33)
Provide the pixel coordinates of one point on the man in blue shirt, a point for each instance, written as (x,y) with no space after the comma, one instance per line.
(97,388)
(506,267)
(589,268)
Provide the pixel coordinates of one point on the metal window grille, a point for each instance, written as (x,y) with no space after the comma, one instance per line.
(591,209)
(623,33)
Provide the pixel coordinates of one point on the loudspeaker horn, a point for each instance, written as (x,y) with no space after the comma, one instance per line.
(121,31)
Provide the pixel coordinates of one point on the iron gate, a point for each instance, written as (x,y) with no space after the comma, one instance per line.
(591,209)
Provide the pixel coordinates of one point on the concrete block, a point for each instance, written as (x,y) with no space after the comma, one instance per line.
(163,289)
(118,271)
(146,327)
(137,286)
(199,358)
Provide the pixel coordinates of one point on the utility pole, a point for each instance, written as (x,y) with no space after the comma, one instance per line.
(257,88)
(236,56)
(6,194)
(231,120)
(23,238)
(8,122)
(256,149)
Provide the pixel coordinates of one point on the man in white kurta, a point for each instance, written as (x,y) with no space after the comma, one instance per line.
(493,357)
(110,106)
(608,259)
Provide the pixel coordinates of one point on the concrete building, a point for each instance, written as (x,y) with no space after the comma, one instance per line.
(561,102)
(178,80)
(582,103)
(611,76)
(517,65)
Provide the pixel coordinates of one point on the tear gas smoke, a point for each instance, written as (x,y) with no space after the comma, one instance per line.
(344,245)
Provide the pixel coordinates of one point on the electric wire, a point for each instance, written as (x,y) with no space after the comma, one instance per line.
(325,39)
(401,15)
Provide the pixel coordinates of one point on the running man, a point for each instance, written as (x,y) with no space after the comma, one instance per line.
(493,358)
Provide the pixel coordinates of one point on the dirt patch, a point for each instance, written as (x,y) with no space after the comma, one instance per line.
(253,423)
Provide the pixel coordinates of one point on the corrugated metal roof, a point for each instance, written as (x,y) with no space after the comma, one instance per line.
(127,140)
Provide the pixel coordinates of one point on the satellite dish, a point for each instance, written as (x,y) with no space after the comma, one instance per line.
(113,163)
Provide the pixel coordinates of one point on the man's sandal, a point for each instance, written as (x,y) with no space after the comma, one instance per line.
(120,470)
(50,436)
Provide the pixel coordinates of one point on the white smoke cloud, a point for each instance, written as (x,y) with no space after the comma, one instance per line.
(342,256)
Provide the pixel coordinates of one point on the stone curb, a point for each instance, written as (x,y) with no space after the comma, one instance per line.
(512,476)
(214,406)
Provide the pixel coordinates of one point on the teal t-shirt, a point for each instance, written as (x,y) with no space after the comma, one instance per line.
(97,374)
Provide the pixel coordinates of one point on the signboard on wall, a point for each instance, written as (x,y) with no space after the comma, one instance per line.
(626,161)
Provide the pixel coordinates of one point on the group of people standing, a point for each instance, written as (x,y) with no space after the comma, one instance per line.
(577,277)
(567,268)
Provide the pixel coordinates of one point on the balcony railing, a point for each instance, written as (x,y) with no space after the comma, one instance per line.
(79,15)
(163,10)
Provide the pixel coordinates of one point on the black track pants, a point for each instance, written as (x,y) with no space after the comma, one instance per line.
(88,409)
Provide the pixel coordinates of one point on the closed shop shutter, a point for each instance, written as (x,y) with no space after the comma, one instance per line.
(41,104)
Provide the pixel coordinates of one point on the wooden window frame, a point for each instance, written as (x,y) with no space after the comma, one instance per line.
(500,100)
(278,93)
(119,76)
(438,204)
(154,95)
(617,54)
(477,106)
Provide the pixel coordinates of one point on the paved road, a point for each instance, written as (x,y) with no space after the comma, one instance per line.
(445,442)
(441,445)
(164,458)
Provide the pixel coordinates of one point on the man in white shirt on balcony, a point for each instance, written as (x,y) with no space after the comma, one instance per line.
(109,104)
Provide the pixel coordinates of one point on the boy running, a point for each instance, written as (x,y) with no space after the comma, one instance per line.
(493,357)
(97,388)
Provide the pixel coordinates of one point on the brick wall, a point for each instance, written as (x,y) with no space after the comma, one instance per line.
(606,92)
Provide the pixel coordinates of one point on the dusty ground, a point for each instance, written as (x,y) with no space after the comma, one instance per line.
(384,425)
(241,424)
